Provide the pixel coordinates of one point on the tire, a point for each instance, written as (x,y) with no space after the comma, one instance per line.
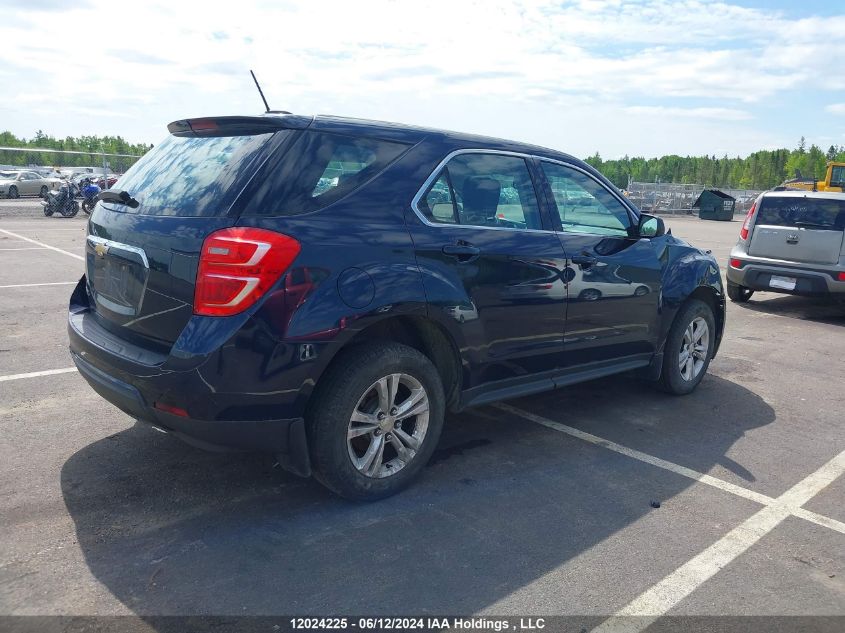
(13,192)
(739,294)
(641,291)
(590,294)
(43,192)
(351,386)
(70,210)
(48,211)
(87,206)
(675,378)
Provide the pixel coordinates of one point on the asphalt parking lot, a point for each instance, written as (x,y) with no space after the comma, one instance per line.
(540,506)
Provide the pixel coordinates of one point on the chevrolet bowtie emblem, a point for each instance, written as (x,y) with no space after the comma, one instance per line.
(101,249)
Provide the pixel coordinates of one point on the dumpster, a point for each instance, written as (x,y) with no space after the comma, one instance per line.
(715,205)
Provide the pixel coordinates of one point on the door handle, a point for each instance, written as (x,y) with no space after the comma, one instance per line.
(584,260)
(463,252)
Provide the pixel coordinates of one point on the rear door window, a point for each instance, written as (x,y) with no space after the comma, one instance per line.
(801,212)
(487,190)
(192,176)
(319,169)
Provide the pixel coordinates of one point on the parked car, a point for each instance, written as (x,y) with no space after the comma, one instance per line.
(252,302)
(790,242)
(14,184)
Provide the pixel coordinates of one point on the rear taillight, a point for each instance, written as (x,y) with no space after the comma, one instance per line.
(743,232)
(237,266)
(841,277)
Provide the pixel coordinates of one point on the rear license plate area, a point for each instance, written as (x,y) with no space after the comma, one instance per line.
(782,283)
(118,279)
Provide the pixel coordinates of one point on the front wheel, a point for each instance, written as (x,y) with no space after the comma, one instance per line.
(48,210)
(13,192)
(689,347)
(376,421)
(739,294)
(88,206)
(43,192)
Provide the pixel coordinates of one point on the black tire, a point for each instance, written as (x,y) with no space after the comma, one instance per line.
(88,206)
(48,211)
(641,291)
(43,192)
(590,294)
(671,379)
(739,294)
(13,192)
(70,210)
(337,396)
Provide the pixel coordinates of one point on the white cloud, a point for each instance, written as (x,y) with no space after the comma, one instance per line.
(478,66)
(836,108)
(722,114)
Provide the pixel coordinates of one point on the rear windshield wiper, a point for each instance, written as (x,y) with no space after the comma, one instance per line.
(813,225)
(118,196)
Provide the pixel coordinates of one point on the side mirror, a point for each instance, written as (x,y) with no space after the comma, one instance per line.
(650,226)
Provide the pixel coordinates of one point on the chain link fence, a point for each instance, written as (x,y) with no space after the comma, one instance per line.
(677,199)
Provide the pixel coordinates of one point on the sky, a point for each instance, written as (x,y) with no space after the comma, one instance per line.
(642,78)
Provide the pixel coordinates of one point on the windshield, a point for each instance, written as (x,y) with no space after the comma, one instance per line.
(190,177)
(837,176)
(819,213)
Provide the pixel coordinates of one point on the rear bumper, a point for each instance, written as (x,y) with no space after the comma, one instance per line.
(220,412)
(285,437)
(757,274)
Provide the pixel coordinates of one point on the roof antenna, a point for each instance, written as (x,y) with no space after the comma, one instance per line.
(261,92)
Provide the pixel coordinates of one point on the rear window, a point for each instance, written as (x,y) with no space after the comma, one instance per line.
(190,176)
(811,213)
(318,170)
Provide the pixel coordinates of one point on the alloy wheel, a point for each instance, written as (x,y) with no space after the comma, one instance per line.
(694,348)
(388,426)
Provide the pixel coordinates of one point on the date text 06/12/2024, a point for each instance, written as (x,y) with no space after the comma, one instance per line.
(421,624)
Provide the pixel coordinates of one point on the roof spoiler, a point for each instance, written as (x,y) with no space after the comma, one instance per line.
(238,125)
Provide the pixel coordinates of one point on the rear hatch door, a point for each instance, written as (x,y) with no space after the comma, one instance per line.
(141,259)
(799,228)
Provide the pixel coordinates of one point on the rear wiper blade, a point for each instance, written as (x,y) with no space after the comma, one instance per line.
(118,196)
(813,225)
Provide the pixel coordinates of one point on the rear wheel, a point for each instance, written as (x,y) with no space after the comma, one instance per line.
(88,206)
(739,294)
(590,294)
(70,209)
(689,347)
(377,419)
(48,211)
(13,192)
(43,192)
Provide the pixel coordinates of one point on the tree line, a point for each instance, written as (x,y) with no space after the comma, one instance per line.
(94,144)
(760,170)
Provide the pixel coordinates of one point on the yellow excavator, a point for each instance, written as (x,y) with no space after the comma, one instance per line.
(834,180)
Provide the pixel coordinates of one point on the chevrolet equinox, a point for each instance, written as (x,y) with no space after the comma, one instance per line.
(325,289)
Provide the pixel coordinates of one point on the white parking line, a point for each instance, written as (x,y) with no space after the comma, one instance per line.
(36,374)
(645,609)
(49,283)
(52,248)
(703,478)
(26,248)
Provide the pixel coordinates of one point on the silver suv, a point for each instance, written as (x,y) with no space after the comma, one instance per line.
(790,242)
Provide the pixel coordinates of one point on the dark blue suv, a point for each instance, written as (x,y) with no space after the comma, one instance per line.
(324,289)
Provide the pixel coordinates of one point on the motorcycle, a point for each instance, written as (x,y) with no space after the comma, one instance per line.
(61,201)
(89,195)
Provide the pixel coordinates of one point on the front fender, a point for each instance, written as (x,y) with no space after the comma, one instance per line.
(687,272)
